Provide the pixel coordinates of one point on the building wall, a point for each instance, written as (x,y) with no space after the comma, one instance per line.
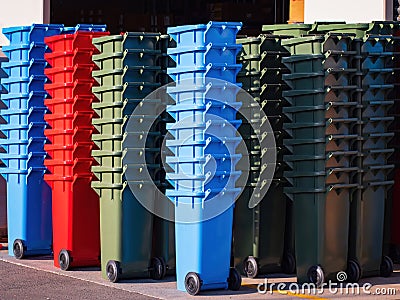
(22,12)
(351,11)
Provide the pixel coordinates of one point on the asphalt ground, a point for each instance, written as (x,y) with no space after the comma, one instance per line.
(37,278)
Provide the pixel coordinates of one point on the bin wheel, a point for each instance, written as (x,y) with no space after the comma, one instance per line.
(158,268)
(250,267)
(113,271)
(64,260)
(288,264)
(19,249)
(192,283)
(353,271)
(234,280)
(316,275)
(386,266)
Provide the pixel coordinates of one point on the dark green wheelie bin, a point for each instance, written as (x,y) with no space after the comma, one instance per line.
(375,47)
(321,156)
(134,242)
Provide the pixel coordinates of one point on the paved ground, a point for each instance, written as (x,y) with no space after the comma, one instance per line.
(37,278)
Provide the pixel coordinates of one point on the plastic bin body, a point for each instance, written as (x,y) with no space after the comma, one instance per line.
(29,212)
(29,198)
(195,240)
(125,222)
(3,208)
(260,232)
(321,157)
(128,70)
(197,137)
(76,208)
(76,224)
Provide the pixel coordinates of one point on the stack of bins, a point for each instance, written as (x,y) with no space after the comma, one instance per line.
(29,196)
(128,72)
(272,103)
(3,183)
(375,47)
(163,228)
(393,228)
(75,204)
(204,160)
(247,227)
(259,233)
(320,118)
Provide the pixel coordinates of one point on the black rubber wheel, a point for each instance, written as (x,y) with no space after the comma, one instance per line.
(192,283)
(316,275)
(113,271)
(353,271)
(19,249)
(386,266)
(234,280)
(250,267)
(158,268)
(64,260)
(288,264)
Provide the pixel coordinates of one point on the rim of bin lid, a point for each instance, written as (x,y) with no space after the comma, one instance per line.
(184,49)
(72,115)
(53,177)
(342,26)
(74,131)
(99,89)
(279,27)
(119,54)
(55,101)
(183,28)
(248,40)
(71,36)
(108,72)
(23,79)
(185,69)
(53,70)
(13,63)
(69,146)
(51,86)
(23,46)
(107,38)
(23,95)
(70,162)
(51,55)
(103,169)
(86,27)
(34,25)
(302,57)
(141,33)
(302,39)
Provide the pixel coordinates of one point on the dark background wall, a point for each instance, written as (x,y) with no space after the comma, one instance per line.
(157,15)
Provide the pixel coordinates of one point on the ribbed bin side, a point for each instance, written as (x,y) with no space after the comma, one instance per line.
(29,232)
(252,256)
(320,138)
(76,235)
(198,139)
(130,67)
(3,184)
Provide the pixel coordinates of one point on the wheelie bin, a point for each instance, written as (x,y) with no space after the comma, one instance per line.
(203,239)
(321,156)
(3,184)
(260,234)
(29,196)
(129,69)
(76,225)
(374,48)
